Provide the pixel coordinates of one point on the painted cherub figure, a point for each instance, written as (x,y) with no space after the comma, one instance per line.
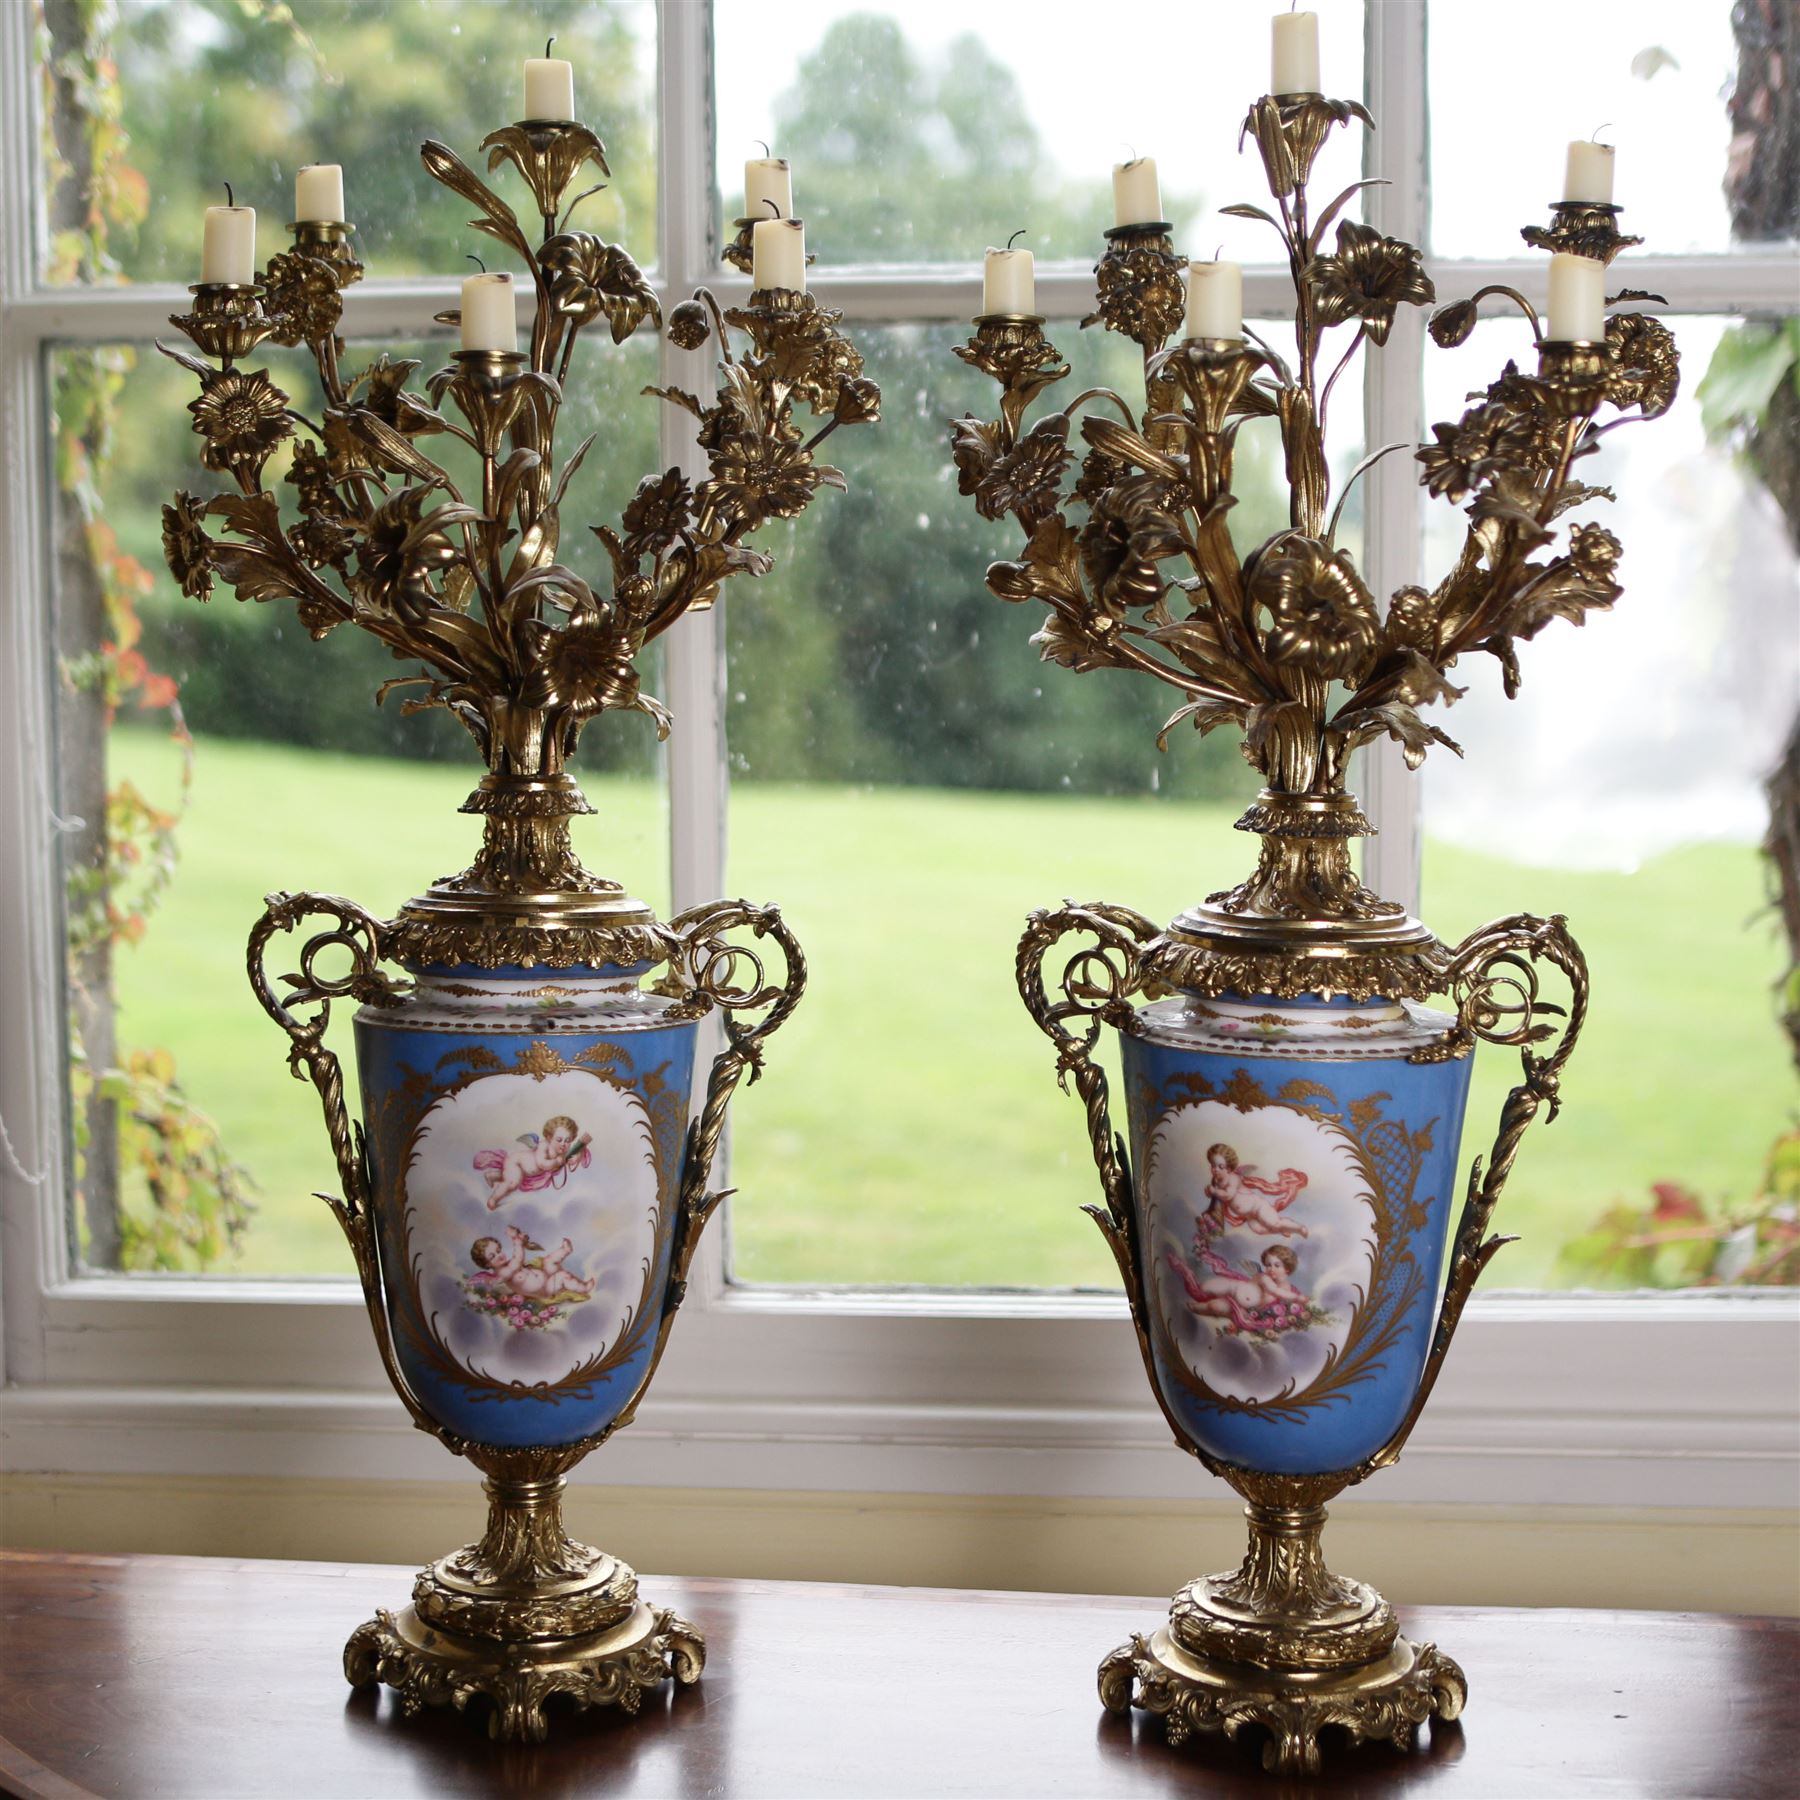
(1237,1195)
(545,1279)
(539,1160)
(1263,1298)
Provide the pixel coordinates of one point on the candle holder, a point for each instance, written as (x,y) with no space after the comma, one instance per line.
(1139,283)
(1587,228)
(739,252)
(547,152)
(228,320)
(1279,1208)
(528,1189)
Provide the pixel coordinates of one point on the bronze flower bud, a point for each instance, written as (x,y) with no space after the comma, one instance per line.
(689,326)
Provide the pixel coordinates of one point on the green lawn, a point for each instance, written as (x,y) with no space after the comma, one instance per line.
(910,1129)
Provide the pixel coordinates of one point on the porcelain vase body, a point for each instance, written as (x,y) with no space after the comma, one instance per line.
(525,1136)
(1295,1175)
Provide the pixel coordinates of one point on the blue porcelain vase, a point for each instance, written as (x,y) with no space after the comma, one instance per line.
(524,1198)
(526,1132)
(1280,1210)
(1291,1209)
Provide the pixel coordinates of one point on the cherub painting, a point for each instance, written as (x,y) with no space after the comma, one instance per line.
(525,1293)
(1258,1297)
(538,1161)
(1237,1195)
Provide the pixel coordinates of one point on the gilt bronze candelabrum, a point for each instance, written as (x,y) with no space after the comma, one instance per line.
(1280,1214)
(530,1189)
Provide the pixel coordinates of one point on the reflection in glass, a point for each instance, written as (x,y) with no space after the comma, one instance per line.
(210,91)
(1623,788)
(910,781)
(921,133)
(291,778)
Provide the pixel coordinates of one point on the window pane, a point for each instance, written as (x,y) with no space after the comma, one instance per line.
(924,132)
(1623,788)
(1655,75)
(210,91)
(293,779)
(909,782)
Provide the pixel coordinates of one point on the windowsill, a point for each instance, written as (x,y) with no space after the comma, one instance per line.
(1665,1400)
(771,1299)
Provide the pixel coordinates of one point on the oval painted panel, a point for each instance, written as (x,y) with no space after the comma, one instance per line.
(530,1222)
(1260,1244)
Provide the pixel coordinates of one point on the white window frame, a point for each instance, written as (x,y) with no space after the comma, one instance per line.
(1679,1400)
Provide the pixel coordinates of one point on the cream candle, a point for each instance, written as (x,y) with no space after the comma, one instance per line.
(549,86)
(768,180)
(778,254)
(1294,54)
(1008,282)
(228,244)
(319,193)
(1215,300)
(1588,174)
(1137,194)
(490,319)
(1577,312)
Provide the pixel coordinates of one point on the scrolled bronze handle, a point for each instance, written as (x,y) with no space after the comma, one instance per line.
(1493,978)
(361,933)
(1098,981)
(711,974)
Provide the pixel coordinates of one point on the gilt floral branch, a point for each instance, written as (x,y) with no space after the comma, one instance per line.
(1133,558)
(514,643)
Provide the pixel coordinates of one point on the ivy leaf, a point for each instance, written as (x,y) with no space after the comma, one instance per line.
(1743,375)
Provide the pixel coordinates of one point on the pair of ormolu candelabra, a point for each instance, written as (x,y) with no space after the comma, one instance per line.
(533,1178)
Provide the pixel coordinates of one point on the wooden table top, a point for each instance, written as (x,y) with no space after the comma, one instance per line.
(200,1678)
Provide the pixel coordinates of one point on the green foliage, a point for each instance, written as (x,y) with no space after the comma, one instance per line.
(185,1202)
(872,652)
(194,1199)
(247,90)
(1683,1240)
(897,159)
(911,1128)
(1746,368)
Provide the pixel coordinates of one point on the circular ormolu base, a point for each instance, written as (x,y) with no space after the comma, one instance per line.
(430,1666)
(1215,1621)
(1388,1698)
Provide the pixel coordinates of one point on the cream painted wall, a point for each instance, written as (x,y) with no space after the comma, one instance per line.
(1710,1560)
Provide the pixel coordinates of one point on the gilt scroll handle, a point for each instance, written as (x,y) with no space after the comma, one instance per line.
(710,973)
(1099,979)
(1493,977)
(348,927)
(731,978)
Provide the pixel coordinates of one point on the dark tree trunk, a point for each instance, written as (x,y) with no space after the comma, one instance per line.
(1762,185)
(81,715)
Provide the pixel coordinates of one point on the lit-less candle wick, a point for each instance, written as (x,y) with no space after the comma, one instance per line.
(767,179)
(549,86)
(1009,280)
(228,243)
(489,311)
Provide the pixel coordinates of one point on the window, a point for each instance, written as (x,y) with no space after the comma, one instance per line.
(895,767)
